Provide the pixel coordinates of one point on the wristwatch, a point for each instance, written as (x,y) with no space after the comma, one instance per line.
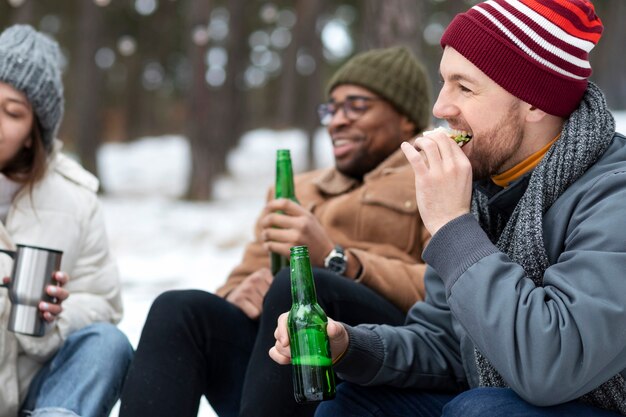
(336,261)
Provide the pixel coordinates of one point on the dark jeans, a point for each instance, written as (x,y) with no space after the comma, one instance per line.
(195,343)
(356,401)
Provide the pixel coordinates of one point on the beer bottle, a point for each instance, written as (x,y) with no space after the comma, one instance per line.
(283,188)
(313,377)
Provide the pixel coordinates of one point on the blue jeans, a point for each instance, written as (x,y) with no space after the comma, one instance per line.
(353,400)
(84,378)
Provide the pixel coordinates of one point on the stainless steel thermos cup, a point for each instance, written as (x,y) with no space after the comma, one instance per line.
(33,270)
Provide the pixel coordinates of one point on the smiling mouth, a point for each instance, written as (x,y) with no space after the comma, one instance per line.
(341,142)
(343,147)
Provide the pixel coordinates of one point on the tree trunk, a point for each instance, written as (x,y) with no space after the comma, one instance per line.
(87,91)
(203,168)
(235,113)
(392,22)
(24,13)
(314,92)
(215,114)
(287,91)
(608,66)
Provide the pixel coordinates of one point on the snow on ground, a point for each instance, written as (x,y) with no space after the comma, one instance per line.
(163,243)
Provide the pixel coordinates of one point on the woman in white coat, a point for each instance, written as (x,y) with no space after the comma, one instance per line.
(77,368)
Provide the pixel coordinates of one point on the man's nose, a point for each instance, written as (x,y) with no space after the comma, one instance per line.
(339,118)
(444,107)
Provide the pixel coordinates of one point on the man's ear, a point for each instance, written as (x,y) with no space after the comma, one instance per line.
(407,127)
(534,114)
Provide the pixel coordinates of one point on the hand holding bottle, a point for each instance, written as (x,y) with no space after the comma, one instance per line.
(287,224)
(281,351)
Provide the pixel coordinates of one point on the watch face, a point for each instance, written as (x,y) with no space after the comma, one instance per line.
(337,264)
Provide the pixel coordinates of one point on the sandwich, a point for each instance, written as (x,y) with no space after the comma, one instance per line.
(461,137)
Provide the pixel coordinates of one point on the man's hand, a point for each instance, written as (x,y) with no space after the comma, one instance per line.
(281,351)
(295,226)
(443,179)
(249,295)
(50,310)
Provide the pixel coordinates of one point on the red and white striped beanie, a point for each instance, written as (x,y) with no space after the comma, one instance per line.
(538,50)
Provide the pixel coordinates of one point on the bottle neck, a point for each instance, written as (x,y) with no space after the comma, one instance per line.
(302,285)
(284,180)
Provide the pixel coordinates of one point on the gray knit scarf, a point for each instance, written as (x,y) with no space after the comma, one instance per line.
(585,137)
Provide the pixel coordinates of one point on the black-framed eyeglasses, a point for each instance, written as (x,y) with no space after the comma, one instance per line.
(353,107)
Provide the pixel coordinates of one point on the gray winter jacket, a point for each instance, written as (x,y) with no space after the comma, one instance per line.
(551,344)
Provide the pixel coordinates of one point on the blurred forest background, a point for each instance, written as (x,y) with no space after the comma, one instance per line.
(212,69)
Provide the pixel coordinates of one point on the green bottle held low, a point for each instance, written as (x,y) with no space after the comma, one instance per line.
(283,188)
(313,376)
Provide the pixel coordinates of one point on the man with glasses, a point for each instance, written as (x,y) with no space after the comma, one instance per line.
(365,237)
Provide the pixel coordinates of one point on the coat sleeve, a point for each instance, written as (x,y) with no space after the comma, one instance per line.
(554,343)
(424,353)
(94,283)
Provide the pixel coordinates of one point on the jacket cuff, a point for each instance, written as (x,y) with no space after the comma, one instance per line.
(455,247)
(356,255)
(363,358)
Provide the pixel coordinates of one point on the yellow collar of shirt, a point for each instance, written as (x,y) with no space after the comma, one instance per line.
(527,165)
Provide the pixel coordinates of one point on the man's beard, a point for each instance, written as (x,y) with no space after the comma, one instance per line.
(360,164)
(497,146)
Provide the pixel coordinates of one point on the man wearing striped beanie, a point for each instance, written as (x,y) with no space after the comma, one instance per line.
(525,312)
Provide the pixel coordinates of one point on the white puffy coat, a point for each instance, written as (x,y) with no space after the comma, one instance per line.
(62,213)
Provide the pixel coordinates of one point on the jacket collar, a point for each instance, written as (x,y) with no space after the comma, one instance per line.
(504,199)
(333,182)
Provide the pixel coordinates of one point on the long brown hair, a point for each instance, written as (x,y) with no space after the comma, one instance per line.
(30,163)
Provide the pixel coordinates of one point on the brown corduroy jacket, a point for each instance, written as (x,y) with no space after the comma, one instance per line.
(376,221)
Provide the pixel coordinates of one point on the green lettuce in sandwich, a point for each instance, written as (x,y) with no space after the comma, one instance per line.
(461,137)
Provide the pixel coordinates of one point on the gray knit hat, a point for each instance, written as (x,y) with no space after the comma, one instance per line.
(30,62)
(395,75)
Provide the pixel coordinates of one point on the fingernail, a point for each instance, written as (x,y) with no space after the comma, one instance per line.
(52,290)
(44,306)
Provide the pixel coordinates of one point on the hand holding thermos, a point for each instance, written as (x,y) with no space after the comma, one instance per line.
(35,288)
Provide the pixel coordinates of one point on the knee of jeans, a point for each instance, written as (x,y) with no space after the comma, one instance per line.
(325,283)
(171,305)
(475,402)
(108,339)
(324,409)
(174,299)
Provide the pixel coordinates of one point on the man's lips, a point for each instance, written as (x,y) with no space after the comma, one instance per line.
(342,147)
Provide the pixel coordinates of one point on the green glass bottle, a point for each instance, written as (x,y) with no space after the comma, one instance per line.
(313,377)
(283,188)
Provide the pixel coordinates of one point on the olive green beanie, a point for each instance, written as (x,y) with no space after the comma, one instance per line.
(395,75)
